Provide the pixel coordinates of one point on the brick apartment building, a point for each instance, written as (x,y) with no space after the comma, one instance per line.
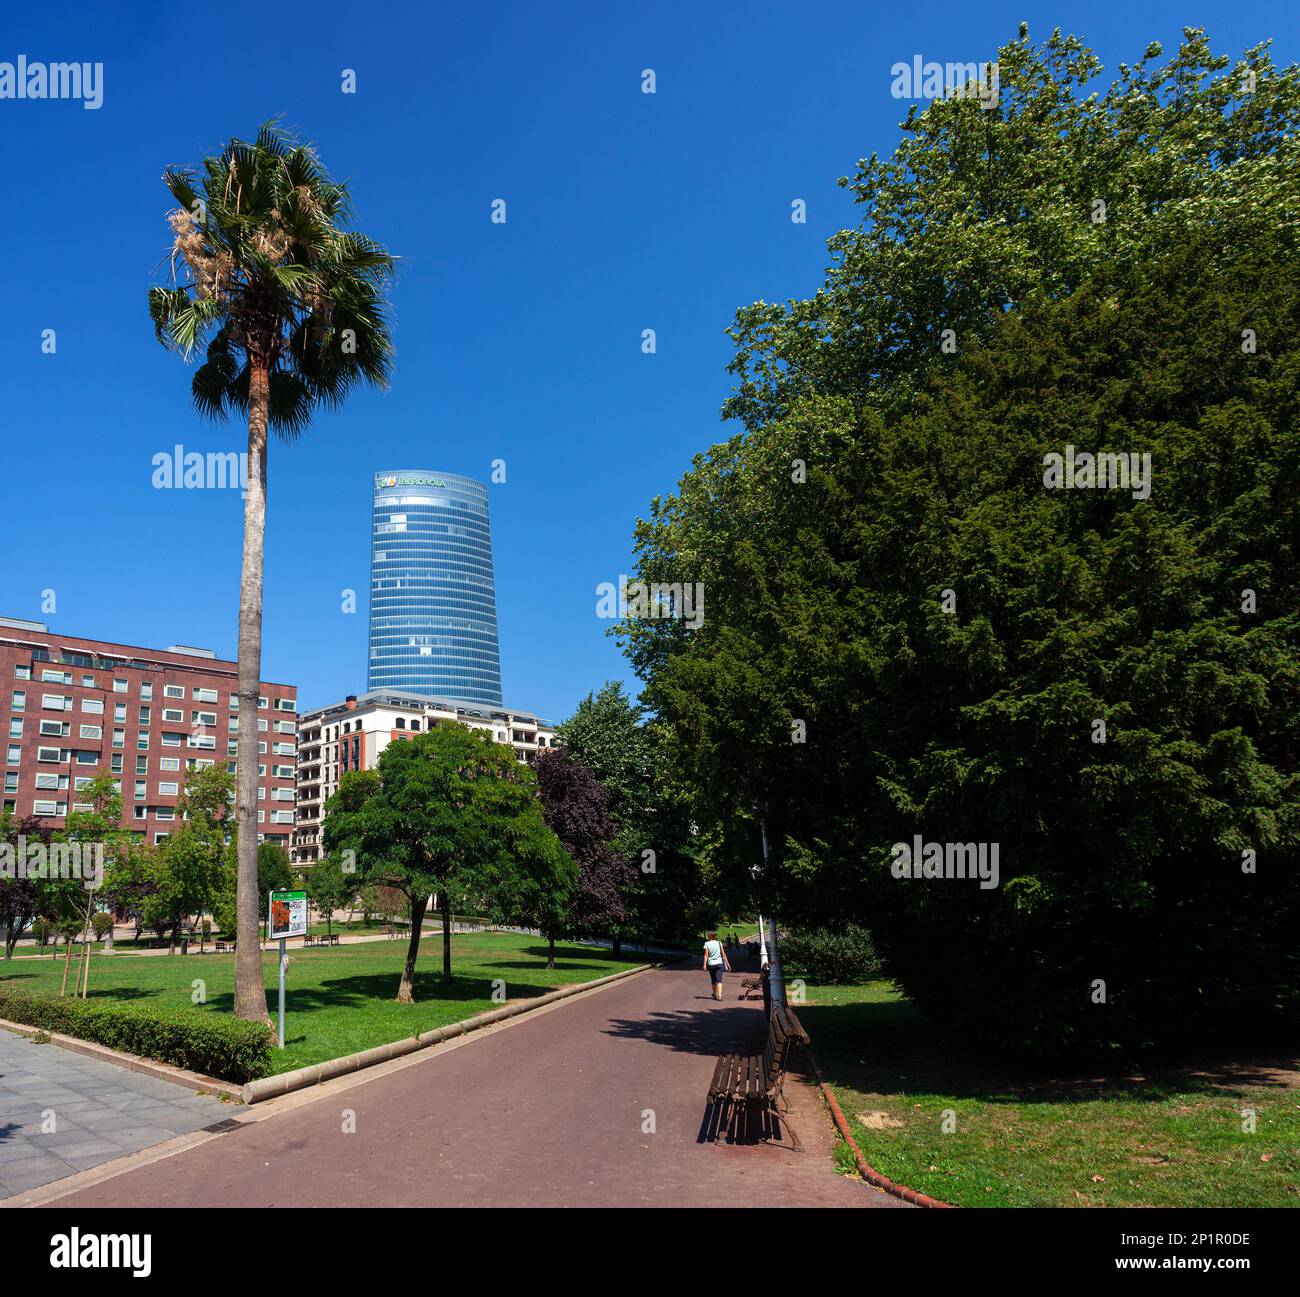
(73,707)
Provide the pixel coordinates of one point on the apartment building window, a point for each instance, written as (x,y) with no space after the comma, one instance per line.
(282,772)
(263,726)
(286,704)
(169,763)
(285,727)
(20,700)
(119,738)
(140,790)
(49,808)
(115,764)
(164,813)
(22,672)
(16,728)
(146,692)
(173,714)
(142,740)
(93,706)
(173,691)
(171,740)
(146,714)
(92,731)
(119,686)
(48,754)
(139,812)
(171,788)
(81,781)
(119,711)
(261,704)
(14,756)
(49,676)
(203,695)
(11,781)
(142,765)
(88,682)
(88,758)
(282,794)
(51,782)
(56,702)
(232,748)
(56,729)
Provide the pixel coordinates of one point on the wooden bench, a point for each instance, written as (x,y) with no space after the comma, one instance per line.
(751,988)
(224,946)
(753,1085)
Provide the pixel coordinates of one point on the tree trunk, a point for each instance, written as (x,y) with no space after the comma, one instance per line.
(444,908)
(67,960)
(250,985)
(618,944)
(550,950)
(404,989)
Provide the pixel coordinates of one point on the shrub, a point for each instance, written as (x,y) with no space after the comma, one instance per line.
(42,931)
(102,923)
(829,956)
(198,1040)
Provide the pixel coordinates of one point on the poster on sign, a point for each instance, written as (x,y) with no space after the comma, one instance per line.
(288,915)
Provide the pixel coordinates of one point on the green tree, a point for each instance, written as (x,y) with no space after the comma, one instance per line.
(449,812)
(329,888)
(908,633)
(669,892)
(289,305)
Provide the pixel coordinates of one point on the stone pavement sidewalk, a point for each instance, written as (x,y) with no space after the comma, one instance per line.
(62,1112)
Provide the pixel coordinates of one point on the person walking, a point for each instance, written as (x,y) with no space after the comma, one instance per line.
(715,963)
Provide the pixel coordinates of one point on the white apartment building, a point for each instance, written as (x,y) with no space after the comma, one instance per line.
(350,736)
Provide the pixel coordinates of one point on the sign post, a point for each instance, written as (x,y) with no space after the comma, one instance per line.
(288,918)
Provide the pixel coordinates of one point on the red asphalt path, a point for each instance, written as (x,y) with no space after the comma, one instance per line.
(546,1112)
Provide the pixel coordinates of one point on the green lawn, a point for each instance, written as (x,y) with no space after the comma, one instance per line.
(340,999)
(1172,1138)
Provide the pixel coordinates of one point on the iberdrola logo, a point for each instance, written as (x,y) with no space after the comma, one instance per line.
(392,481)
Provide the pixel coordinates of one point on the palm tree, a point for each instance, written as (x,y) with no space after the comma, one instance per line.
(291,308)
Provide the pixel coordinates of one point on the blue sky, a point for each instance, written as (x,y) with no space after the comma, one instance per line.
(519,342)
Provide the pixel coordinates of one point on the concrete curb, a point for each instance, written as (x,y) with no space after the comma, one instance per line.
(147,1066)
(271,1087)
(865,1169)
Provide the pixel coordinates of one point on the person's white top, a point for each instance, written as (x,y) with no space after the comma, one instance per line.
(713,951)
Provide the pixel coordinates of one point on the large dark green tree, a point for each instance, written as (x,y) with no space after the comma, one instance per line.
(908,632)
(288,305)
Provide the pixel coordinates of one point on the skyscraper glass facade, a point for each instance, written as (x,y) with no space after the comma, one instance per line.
(433,607)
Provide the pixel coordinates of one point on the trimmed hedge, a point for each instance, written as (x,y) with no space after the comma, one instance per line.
(829,957)
(212,1043)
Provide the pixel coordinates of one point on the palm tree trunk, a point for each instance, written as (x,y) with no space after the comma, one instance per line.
(250,986)
(404,990)
(444,908)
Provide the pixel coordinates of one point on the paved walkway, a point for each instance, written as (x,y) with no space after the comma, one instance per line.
(99,1112)
(553,1109)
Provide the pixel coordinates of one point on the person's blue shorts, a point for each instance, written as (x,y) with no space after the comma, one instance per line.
(716,971)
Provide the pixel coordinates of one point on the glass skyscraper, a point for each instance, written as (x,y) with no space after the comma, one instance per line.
(433,606)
